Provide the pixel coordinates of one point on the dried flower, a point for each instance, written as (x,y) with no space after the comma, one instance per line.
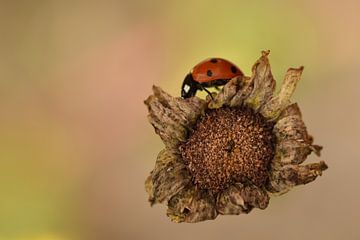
(227,155)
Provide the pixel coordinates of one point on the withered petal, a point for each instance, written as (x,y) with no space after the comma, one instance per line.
(289,176)
(293,151)
(272,109)
(191,205)
(255,196)
(187,110)
(245,87)
(291,127)
(294,143)
(230,202)
(264,83)
(239,199)
(168,177)
(226,93)
(171,117)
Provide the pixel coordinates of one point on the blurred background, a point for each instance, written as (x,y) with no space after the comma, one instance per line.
(75,144)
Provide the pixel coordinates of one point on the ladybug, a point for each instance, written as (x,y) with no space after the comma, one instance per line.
(212,72)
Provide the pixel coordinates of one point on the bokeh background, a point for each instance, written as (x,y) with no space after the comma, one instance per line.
(75,144)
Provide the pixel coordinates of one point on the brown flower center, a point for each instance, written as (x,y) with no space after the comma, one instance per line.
(229,145)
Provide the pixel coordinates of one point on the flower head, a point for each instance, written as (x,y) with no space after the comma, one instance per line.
(227,154)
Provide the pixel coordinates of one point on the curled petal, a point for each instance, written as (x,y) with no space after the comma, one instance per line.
(275,105)
(255,196)
(230,202)
(149,187)
(293,151)
(294,144)
(226,93)
(171,117)
(290,110)
(192,205)
(245,87)
(291,175)
(239,199)
(291,127)
(168,178)
(187,110)
(264,83)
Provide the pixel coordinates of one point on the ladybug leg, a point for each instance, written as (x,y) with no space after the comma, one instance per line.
(201,87)
(217,88)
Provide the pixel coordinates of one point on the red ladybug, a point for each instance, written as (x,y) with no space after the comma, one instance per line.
(211,72)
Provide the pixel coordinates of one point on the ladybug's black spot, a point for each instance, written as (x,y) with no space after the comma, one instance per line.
(214,60)
(209,73)
(233,69)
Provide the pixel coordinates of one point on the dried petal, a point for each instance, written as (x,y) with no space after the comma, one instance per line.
(171,117)
(245,87)
(192,205)
(293,151)
(187,110)
(226,93)
(291,175)
(239,199)
(168,178)
(294,143)
(255,196)
(291,127)
(275,105)
(264,83)
(230,202)
(149,187)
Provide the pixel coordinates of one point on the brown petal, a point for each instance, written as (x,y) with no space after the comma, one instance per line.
(264,83)
(191,205)
(291,175)
(291,128)
(245,87)
(149,187)
(294,144)
(273,108)
(293,151)
(187,110)
(239,199)
(255,196)
(230,202)
(171,117)
(168,178)
(226,93)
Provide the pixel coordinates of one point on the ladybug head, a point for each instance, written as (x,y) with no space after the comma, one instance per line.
(189,87)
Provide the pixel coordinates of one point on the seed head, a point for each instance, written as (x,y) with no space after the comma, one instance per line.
(229,145)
